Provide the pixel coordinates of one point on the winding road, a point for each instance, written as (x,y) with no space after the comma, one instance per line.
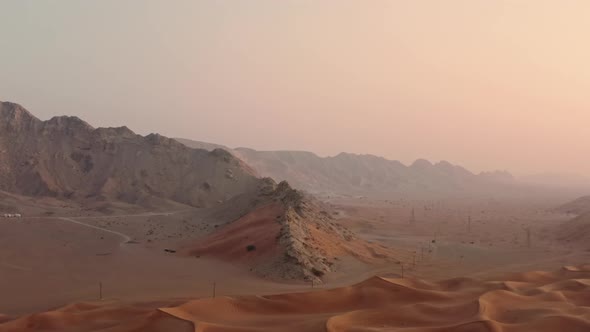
(126,238)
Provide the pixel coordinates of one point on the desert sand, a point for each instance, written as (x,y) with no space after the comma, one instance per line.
(526,302)
(48,262)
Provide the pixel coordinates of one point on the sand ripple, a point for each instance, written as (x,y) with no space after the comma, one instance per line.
(529,302)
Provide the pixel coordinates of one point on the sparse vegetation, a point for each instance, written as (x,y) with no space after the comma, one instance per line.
(317,273)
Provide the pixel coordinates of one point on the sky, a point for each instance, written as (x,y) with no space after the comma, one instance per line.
(481,83)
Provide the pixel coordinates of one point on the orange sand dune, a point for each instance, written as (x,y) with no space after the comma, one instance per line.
(526,302)
(258,228)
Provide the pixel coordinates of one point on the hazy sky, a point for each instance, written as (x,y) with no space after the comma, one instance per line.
(485,84)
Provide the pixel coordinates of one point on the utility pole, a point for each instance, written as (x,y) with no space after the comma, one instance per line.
(436,234)
(100,290)
(413,217)
(402,266)
(469,224)
(528,237)
(214,286)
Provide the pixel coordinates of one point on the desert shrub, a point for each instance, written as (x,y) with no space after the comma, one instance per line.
(250,247)
(316,272)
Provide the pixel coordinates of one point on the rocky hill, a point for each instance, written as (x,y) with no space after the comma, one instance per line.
(355,174)
(578,206)
(285,234)
(65,157)
(575,231)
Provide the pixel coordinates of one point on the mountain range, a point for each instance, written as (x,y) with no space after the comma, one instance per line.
(65,157)
(354,174)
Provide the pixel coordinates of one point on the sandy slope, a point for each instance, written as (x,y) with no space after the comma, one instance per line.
(578,206)
(291,241)
(533,301)
(575,231)
(258,229)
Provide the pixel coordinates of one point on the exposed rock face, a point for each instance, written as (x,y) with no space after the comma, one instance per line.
(364,174)
(306,235)
(202,145)
(355,174)
(66,157)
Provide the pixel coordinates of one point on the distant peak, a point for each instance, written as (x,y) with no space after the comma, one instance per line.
(358,156)
(447,166)
(16,117)
(70,122)
(15,111)
(421,163)
(157,139)
(119,131)
(222,153)
(444,163)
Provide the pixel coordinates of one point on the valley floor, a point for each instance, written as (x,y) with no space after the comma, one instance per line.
(49,261)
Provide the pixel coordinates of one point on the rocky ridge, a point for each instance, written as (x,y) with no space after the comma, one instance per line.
(67,158)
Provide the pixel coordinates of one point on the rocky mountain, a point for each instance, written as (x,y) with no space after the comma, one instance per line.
(356,174)
(66,157)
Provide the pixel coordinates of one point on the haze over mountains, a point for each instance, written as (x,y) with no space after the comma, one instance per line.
(66,157)
(354,174)
(375,166)
(563,180)
(223,208)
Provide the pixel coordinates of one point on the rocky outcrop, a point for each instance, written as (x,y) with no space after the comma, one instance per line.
(286,234)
